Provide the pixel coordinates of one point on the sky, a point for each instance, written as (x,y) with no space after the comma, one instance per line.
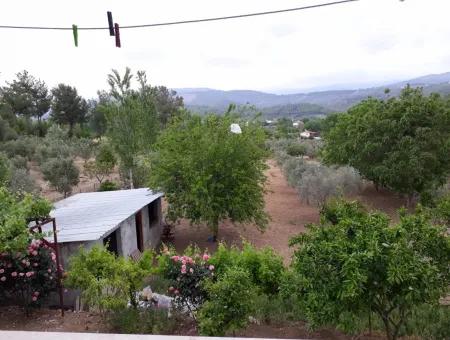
(364,43)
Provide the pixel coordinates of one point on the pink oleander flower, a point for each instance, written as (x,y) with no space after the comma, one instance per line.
(36,293)
(49,270)
(34,253)
(28,274)
(14,274)
(191,270)
(34,298)
(3,278)
(2,271)
(21,274)
(183,269)
(211,267)
(191,260)
(175,258)
(206,257)
(183,262)
(35,264)
(176,292)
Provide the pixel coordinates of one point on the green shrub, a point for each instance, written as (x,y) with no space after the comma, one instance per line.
(229,305)
(296,150)
(5,169)
(264,266)
(108,186)
(61,173)
(107,282)
(21,182)
(429,322)
(25,147)
(19,162)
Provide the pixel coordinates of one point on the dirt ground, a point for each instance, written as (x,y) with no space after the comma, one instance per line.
(288,214)
(50,320)
(86,184)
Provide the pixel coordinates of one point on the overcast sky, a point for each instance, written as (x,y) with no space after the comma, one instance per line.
(366,42)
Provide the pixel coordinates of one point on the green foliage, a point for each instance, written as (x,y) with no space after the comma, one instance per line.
(61,173)
(21,182)
(402,143)
(429,322)
(296,149)
(14,213)
(264,266)
(107,282)
(108,186)
(27,96)
(68,107)
(362,263)
(103,165)
(19,162)
(442,210)
(132,121)
(85,148)
(24,147)
(285,129)
(5,169)
(230,303)
(315,124)
(208,173)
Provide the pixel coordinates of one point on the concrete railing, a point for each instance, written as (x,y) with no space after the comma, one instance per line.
(21,335)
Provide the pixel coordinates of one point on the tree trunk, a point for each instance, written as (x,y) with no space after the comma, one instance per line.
(131,178)
(215,230)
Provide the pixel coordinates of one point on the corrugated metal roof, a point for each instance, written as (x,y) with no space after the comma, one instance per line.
(91,216)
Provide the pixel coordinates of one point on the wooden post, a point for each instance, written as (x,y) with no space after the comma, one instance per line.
(60,286)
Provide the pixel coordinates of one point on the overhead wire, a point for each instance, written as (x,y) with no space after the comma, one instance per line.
(181,22)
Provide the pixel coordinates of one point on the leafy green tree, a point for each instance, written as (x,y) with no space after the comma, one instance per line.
(103,165)
(27,96)
(285,129)
(168,104)
(62,174)
(132,122)
(5,169)
(68,107)
(402,144)
(230,304)
(358,263)
(208,173)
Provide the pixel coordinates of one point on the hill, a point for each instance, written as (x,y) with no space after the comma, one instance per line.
(303,104)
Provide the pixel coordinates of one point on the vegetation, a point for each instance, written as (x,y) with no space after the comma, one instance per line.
(357,263)
(208,173)
(61,173)
(107,282)
(401,143)
(68,107)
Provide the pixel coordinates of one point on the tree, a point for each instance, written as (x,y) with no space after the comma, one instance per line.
(27,96)
(356,263)
(230,303)
(168,104)
(68,107)
(132,122)
(103,165)
(402,144)
(208,173)
(61,173)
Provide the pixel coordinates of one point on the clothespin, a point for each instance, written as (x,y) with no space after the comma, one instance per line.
(117,34)
(110,23)
(75,34)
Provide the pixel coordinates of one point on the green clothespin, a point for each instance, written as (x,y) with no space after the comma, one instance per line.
(75,34)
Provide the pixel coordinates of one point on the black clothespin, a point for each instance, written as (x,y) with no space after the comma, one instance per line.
(110,23)
(117,33)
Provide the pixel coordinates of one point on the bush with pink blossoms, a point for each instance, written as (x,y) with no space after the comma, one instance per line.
(29,276)
(187,275)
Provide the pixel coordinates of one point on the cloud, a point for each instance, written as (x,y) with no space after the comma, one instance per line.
(283,30)
(227,62)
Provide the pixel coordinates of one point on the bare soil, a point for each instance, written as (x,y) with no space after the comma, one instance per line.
(288,214)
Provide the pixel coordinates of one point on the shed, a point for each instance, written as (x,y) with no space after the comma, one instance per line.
(125,221)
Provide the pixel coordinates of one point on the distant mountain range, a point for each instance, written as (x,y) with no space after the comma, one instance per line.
(303,104)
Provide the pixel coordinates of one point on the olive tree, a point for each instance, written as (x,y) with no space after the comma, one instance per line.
(208,173)
(61,173)
(357,263)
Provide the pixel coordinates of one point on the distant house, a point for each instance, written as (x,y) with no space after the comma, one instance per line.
(309,134)
(125,221)
(298,125)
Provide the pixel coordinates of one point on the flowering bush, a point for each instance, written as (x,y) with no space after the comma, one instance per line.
(29,276)
(187,275)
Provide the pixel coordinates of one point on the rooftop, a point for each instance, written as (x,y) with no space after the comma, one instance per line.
(94,215)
